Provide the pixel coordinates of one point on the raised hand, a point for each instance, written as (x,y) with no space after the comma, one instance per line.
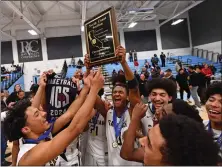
(86,61)
(42,80)
(98,80)
(139,111)
(121,53)
(87,79)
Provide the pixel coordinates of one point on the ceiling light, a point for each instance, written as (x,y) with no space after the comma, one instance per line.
(177,21)
(32,32)
(108,36)
(132,24)
(132,11)
(82,28)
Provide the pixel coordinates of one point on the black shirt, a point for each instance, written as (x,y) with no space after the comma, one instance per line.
(142,88)
(193,79)
(60,93)
(182,80)
(201,79)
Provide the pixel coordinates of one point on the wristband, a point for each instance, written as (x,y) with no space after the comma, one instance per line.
(132,83)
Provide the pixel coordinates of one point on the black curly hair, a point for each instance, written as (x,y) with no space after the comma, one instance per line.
(214,88)
(181,107)
(162,83)
(16,120)
(187,142)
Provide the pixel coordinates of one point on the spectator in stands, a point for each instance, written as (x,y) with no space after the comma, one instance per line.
(207,72)
(154,60)
(136,75)
(169,75)
(146,64)
(142,88)
(80,62)
(219,58)
(73,62)
(213,69)
(177,66)
(13,97)
(130,56)
(145,72)
(202,84)
(135,55)
(3,70)
(193,85)
(182,81)
(136,64)
(121,72)
(163,59)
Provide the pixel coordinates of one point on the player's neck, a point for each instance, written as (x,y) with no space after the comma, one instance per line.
(119,111)
(216,125)
(33,136)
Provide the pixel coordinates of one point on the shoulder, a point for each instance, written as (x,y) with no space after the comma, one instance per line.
(205,122)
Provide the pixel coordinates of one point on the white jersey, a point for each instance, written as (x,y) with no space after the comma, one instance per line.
(71,154)
(115,145)
(147,121)
(24,148)
(97,142)
(216,134)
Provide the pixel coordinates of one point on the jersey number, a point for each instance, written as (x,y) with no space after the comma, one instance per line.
(94,129)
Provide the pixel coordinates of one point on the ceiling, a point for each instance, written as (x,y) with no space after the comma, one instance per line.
(17,15)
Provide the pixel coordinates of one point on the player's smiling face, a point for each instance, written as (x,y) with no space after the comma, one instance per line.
(119,96)
(159,98)
(214,108)
(35,121)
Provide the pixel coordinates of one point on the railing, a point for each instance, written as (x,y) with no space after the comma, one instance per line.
(7,80)
(189,61)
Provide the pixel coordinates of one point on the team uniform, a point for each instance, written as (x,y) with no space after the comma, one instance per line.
(28,144)
(147,121)
(217,135)
(115,143)
(97,151)
(60,93)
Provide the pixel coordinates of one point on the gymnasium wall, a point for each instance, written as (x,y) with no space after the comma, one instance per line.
(50,61)
(206,23)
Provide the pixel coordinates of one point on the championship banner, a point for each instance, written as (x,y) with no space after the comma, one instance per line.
(29,50)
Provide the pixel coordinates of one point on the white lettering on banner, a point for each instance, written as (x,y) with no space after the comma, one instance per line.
(52,96)
(59,97)
(57,102)
(61,82)
(65,93)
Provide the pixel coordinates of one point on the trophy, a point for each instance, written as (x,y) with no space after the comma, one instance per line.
(102,38)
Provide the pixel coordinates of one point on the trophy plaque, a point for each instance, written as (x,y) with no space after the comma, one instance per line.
(102,38)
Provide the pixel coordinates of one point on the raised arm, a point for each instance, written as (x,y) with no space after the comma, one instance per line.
(134,95)
(74,107)
(99,105)
(37,100)
(56,146)
(128,152)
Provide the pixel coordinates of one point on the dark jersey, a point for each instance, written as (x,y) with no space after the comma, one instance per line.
(60,93)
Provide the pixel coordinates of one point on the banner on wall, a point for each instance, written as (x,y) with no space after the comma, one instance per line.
(29,50)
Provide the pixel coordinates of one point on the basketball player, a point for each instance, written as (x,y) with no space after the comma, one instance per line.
(214,111)
(59,94)
(30,123)
(117,118)
(161,92)
(179,141)
(96,150)
(178,107)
